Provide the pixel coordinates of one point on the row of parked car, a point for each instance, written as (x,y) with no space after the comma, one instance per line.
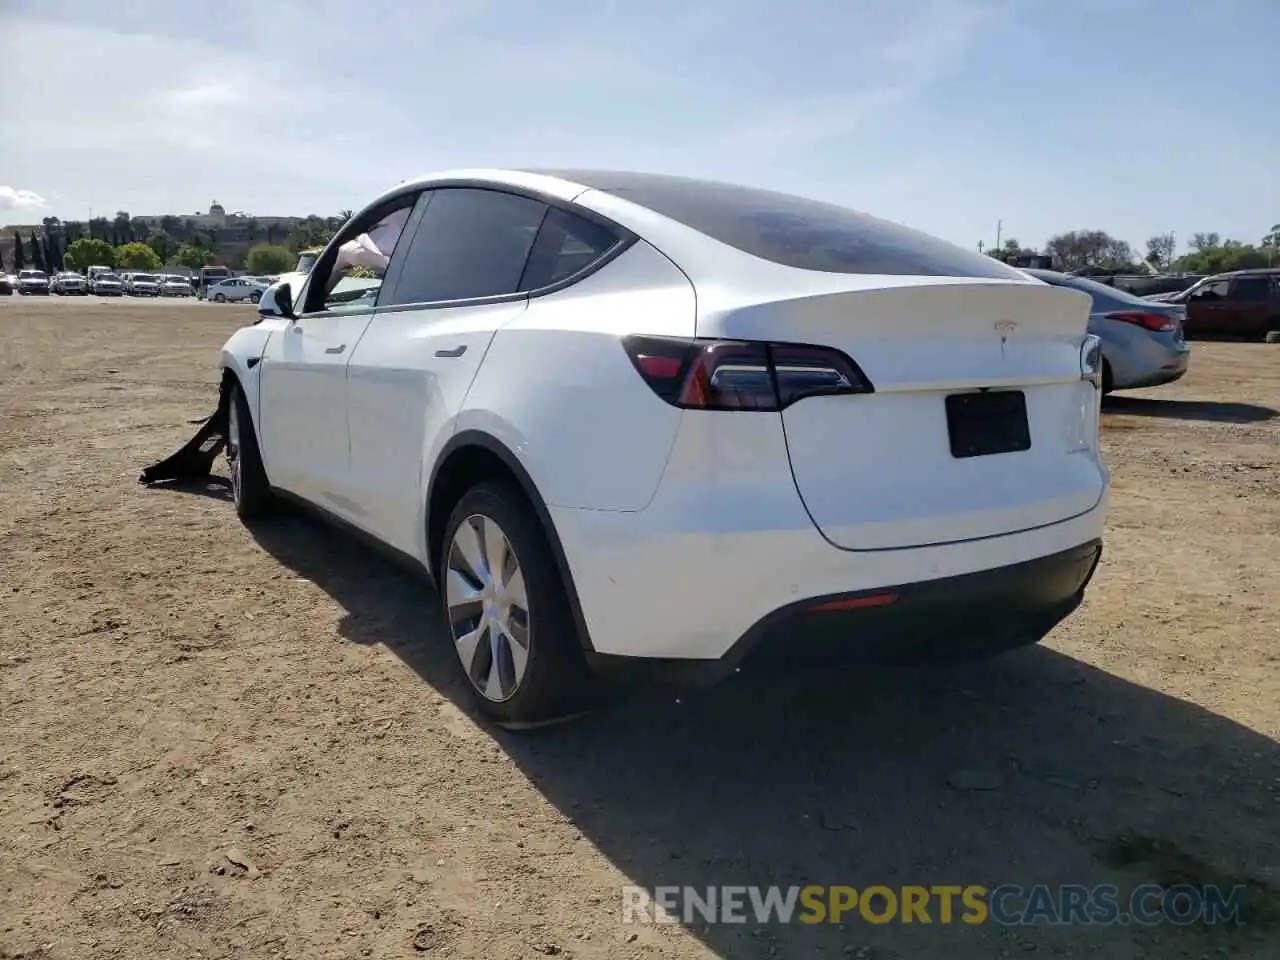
(103,283)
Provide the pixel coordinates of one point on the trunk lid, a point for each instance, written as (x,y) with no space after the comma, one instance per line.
(905,466)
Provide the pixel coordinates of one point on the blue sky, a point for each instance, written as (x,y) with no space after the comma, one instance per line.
(1131,116)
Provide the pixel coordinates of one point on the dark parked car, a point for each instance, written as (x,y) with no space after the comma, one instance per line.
(6,285)
(1245,303)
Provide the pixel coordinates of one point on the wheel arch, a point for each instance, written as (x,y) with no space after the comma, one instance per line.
(469,457)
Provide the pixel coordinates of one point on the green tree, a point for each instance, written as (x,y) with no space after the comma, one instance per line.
(139,256)
(1225,256)
(1090,250)
(164,245)
(85,253)
(193,257)
(1200,242)
(19,255)
(123,227)
(267,258)
(1160,250)
(53,253)
(37,254)
(1271,243)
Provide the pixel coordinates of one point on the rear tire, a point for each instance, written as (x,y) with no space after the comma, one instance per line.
(1273,330)
(250,489)
(1108,384)
(507,610)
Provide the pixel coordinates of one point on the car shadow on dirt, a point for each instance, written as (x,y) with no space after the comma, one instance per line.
(1029,768)
(1211,410)
(213,487)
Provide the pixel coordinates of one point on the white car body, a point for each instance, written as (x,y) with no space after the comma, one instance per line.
(143,285)
(107,285)
(685,534)
(235,289)
(32,282)
(173,286)
(68,283)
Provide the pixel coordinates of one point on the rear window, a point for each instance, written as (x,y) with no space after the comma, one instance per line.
(1104,297)
(797,232)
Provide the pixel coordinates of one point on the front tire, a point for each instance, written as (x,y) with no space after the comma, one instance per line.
(508,612)
(250,489)
(220,298)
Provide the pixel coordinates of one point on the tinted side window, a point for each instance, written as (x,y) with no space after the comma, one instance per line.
(807,234)
(470,243)
(1252,290)
(566,244)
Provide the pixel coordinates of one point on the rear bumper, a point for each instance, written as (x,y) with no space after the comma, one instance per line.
(1149,362)
(726,545)
(970,615)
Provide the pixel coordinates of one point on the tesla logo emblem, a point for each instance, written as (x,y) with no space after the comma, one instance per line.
(1004,328)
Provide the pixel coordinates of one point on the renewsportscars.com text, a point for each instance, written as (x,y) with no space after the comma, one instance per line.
(1006,904)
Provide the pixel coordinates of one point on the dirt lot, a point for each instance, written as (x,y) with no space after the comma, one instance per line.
(218,744)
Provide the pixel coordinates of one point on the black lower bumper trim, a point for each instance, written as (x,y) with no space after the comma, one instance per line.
(972,615)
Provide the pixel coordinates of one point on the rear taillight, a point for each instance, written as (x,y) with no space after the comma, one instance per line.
(741,374)
(1157,322)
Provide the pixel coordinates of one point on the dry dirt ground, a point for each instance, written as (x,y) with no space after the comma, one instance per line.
(217,743)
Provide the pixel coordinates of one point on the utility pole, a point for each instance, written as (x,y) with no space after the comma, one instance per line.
(999,227)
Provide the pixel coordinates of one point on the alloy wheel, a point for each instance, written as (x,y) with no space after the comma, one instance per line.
(488,608)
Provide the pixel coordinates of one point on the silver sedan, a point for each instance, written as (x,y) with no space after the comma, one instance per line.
(1142,340)
(236,288)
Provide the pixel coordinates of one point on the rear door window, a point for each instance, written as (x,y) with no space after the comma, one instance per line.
(567,244)
(1251,290)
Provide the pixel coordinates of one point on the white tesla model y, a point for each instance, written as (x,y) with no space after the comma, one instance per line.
(628,419)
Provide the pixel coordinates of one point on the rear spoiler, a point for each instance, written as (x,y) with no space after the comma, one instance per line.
(194,460)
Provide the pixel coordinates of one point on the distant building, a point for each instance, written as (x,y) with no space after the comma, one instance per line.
(235,232)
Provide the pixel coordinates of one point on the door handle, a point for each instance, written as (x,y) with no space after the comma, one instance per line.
(338,349)
(455,352)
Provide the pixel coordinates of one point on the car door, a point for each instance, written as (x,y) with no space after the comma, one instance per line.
(1206,306)
(458,284)
(1248,308)
(303,400)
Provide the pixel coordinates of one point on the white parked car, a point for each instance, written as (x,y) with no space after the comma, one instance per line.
(33,283)
(68,283)
(236,288)
(143,285)
(175,286)
(107,285)
(626,419)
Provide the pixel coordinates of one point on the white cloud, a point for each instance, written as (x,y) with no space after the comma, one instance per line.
(277,114)
(14,200)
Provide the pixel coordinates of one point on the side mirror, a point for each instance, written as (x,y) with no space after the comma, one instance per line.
(276,301)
